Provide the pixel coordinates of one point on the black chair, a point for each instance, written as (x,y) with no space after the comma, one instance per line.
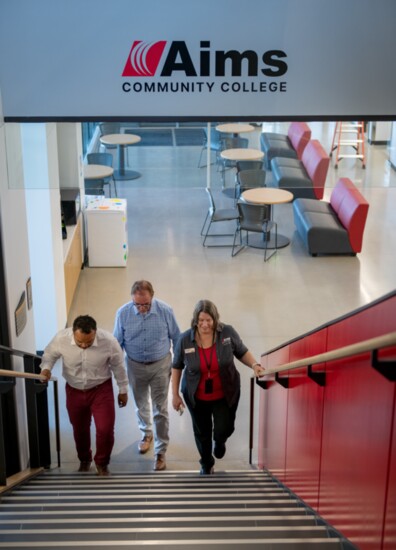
(230,143)
(106,159)
(254,218)
(249,165)
(249,179)
(217,215)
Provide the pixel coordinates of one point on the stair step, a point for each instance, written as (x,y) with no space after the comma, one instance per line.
(151,512)
(221,512)
(109,491)
(212,521)
(252,544)
(165,533)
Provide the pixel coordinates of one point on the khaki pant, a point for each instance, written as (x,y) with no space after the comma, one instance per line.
(151,383)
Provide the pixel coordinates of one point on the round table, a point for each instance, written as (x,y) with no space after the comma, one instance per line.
(234,128)
(122,141)
(269,197)
(242,154)
(97,171)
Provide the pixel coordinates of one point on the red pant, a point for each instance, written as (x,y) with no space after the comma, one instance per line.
(81,406)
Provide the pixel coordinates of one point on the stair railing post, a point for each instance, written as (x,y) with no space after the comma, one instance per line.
(37,416)
(3,474)
(251,419)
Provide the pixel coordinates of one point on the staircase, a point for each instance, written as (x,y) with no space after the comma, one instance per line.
(170,510)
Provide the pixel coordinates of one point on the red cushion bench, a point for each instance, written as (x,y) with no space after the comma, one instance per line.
(334,227)
(304,178)
(291,145)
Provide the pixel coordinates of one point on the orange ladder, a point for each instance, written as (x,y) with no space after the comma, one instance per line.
(349,134)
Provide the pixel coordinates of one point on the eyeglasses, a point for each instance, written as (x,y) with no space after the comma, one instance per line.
(145,306)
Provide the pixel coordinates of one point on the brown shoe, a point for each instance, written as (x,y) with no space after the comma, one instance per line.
(84,466)
(145,444)
(160,462)
(102,470)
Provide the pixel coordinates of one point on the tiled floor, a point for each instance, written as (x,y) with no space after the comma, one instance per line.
(268,303)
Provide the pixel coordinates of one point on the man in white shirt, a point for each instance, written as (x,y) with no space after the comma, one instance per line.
(90,356)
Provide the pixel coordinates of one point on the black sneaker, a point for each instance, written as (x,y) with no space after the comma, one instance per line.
(219,449)
(205,471)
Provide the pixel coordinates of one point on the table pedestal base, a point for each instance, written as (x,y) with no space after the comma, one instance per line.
(257,241)
(126,174)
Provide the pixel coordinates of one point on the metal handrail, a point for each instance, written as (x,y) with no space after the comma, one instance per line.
(354,349)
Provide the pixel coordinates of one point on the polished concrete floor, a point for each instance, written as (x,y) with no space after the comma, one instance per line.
(268,303)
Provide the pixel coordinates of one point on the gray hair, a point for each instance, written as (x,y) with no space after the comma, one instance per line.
(141,286)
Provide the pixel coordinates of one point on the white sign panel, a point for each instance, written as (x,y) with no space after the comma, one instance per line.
(257,59)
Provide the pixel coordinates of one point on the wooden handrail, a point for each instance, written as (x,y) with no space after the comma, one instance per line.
(15,374)
(347,351)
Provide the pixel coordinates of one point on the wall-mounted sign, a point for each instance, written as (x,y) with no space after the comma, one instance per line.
(211,59)
(29,294)
(20,314)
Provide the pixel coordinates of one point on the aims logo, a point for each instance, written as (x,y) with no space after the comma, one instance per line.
(145,57)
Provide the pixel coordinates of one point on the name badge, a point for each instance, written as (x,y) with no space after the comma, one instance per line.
(226,341)
(189,350)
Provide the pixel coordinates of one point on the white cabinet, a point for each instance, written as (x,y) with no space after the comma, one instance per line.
(106,227)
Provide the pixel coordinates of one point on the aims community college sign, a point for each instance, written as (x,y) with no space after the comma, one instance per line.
(151,67)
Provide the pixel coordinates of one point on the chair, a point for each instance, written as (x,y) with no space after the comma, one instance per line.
(216,143)
(230,143)
(106,128)
(94,187)
(249,165)
(254,218)
(106,159)
(249,179)
(217,215)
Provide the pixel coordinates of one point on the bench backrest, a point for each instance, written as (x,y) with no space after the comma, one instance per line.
(351,208)
(299,134)
(316,162)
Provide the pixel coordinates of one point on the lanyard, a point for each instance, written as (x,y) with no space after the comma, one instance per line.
(209,363)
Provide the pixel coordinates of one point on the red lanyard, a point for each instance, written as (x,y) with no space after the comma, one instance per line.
(208,363)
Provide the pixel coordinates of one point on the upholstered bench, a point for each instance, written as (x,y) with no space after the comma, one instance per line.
(334,227)
(291,145)
(304,178)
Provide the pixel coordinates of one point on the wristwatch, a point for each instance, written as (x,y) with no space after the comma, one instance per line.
(254,364)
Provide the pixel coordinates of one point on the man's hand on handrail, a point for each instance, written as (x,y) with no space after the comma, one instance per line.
(47,374)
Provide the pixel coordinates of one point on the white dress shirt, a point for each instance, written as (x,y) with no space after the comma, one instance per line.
(84,369)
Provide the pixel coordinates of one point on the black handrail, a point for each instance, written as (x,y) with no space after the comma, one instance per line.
(37,410)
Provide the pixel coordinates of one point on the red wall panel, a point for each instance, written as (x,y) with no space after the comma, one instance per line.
(390,514)
(273,407)
(338,443)
(304,426)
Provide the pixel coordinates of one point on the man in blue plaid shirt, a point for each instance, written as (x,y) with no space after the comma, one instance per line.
(146,328)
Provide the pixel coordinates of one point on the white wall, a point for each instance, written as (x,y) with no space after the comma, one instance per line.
(69,138)
(41,177)
(17,266)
